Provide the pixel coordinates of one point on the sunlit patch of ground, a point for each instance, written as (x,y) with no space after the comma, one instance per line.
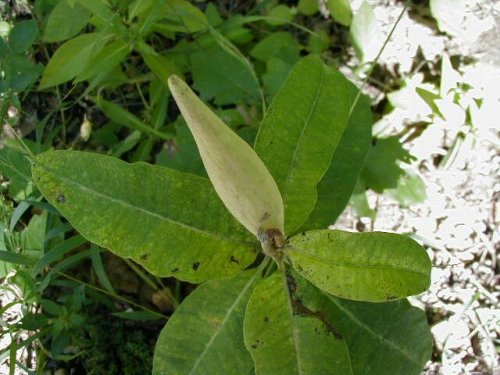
(459,221)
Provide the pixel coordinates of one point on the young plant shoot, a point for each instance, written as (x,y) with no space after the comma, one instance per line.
(335,303)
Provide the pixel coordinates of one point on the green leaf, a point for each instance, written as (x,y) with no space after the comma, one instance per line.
(181,16)
(280,44)
(57,253)
(99,8)
(33,236)
(381,170)
(299,133)
(154,215)
(98,267)
(205,335)
(161,66)
(340,10)
(7,265)
(359,201)
(280,51)
(17,169)
(240,178)
(275,75)
(71,59)
(365,33)
(282,339)
(104,61)
(410,189)
(279,15)
(429,98)
(371,267)
(65,21)
(181,153)
(22,36)
(383,338)
(15,258)
(143,15)
(339,181)
(127,119)
(4,48)
(318,42)
(308,7)
(222,76)
(21,71)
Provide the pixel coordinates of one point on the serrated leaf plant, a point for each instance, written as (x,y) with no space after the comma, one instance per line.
(277,294)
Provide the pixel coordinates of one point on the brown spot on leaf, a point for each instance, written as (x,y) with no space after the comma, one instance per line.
(256,344)
(196,265)
(61,198)
(300,309)
(265,216)
(144,257)
(234,260)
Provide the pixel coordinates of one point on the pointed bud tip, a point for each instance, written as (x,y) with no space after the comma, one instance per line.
(173,81)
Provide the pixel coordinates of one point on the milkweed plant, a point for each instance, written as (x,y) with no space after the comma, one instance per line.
(279,294)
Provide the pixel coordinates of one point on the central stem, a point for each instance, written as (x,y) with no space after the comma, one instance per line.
(272,241)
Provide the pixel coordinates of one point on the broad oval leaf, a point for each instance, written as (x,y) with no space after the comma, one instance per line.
(371,267)
(284,339)
(299,133)
(339,181)
(205,334)
(382,338)
(240,178)
(71,59)
(170,222)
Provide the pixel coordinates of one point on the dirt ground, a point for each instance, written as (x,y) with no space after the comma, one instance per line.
(459,221)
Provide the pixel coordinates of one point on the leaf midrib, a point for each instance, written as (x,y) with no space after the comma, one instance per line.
(353,265)
(224,321)
(296,340)
(140,209)
(378,337)
(301,137)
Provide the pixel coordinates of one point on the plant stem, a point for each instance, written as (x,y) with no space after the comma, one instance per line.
(374,63)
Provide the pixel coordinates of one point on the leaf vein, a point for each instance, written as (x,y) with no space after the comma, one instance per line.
(143,210)
(296,151)
(377,336)
(353,265)
(226,317)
